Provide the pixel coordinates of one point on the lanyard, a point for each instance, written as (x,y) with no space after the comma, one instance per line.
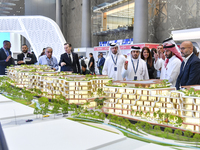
(134,66)
(113,60)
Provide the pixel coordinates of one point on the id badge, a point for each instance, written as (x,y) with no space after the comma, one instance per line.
(115,68)
(135,77)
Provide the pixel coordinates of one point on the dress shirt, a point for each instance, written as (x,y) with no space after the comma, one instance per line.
(6,51)
(186,59)
(44,60)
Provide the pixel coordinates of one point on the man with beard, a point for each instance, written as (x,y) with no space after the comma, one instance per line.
(114,63)
(135,68)
(25,57)
(190,67)
(171,68)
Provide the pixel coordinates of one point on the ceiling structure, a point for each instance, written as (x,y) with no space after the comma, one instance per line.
(11,7)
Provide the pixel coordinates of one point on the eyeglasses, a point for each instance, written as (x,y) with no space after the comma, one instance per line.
(183,48)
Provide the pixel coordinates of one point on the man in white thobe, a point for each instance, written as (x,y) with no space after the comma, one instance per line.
(135,68)
(114,63)
(171,68)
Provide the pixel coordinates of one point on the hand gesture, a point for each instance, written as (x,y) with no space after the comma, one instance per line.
(63,64)
(126,65)
(155,56)
(162,55)
(8,58)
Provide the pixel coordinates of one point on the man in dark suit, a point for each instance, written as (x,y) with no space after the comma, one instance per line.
(5,57)
(190,67)
(69,60)
(25,57)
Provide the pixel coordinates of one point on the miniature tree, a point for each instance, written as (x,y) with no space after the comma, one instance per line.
(168,130)
(109,117)
(110,82)
(132,112)
(36,110)
(29,97)
(147,114)
(45,109)
(132,127)
(154,115)
(97,100)
(158,111)
(141,113)
(102,116)
(157,128)
(171,117)
(167,117)
(143,124)
(120,120)
(178,133)
(114,118)
(161,116)
(65,108)
(188,134)
(148,126)
(87,104)
(196,137)
(137,112)
(55,109)
(138,126)
(179,121)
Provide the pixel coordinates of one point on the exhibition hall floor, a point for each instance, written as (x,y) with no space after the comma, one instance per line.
(59,133)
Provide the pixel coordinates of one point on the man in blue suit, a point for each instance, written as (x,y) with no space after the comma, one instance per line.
(5,57)
(101,63)
(190,67)
(69,61)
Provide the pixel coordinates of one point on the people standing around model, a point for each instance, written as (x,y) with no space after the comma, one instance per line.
(25,57)
(91,64)
(135,68)
(69,61)
(100,63)
(48,59)
(159,60)
(171,67)
(114,63)
(5,57)
(147,57)
(190,67)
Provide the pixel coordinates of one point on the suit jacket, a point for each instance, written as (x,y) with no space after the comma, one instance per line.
(74,66)
(21,56)
(191,73)
(3,63)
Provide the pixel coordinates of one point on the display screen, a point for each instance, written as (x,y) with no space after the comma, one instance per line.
(4,36)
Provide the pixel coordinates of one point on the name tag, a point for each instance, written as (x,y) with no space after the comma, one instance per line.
(115,68)
(135,77)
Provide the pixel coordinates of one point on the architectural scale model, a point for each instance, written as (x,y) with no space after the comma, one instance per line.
(77,89)
(122,96)
(125,96)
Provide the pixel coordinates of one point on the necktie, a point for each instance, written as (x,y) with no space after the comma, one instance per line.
(70,59)
(183,63)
